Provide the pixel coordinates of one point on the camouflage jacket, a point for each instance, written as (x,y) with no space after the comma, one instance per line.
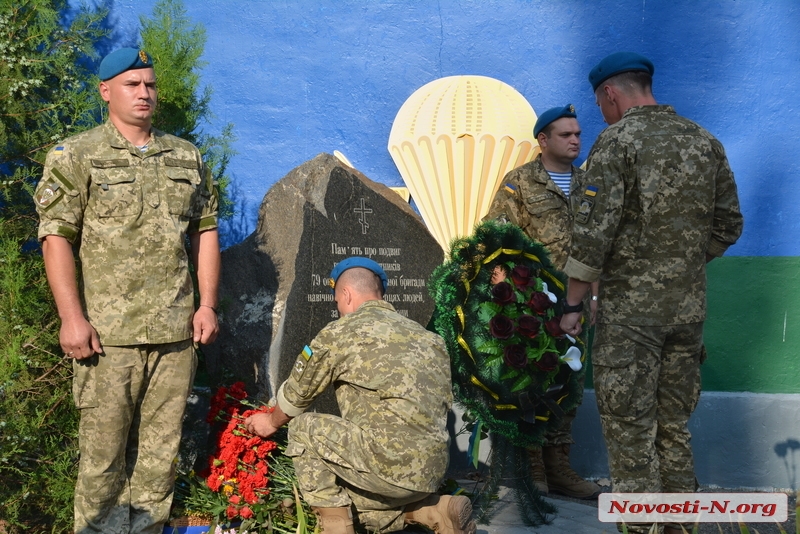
(128,213)
(392,379)
(530,199)
(659,195)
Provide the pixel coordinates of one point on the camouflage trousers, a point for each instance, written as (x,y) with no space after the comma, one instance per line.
(131,400)
(647,382)
(330,472)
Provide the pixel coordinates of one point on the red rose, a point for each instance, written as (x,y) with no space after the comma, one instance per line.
(528,326)
(231,512)
(246,512)
(501,327)
(514,356)
(553,327)
(540,302)
(521,275)
(503,293)
(547,362)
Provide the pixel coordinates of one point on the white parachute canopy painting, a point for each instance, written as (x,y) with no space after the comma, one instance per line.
(453,140)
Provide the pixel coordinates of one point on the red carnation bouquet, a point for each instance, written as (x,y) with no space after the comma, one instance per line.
(248,479)
(239,466)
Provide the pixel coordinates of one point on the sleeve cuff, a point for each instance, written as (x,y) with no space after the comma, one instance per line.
(716,248)
(59,228)
(288,408)
(580,271)
(207,222)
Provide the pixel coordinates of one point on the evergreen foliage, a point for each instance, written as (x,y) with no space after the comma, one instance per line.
(48,91)
(517,413)
(482,383)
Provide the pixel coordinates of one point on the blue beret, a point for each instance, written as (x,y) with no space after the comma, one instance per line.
(551,115)
(122,60)
(358,261)
(617,64)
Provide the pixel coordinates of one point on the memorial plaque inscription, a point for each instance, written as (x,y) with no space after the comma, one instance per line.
(319,214)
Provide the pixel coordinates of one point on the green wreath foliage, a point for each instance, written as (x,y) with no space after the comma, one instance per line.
(518,404)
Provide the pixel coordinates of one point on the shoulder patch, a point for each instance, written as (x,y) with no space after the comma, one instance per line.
(48,196)
(587,203)
(300,363)
(510,188)
(585,209)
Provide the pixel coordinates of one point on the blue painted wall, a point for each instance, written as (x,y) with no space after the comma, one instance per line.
(302,77)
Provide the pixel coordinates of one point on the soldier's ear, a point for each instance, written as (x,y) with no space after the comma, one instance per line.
(542,138)
(610,93)
(104,90)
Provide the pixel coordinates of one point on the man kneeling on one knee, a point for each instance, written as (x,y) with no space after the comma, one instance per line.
(387,454)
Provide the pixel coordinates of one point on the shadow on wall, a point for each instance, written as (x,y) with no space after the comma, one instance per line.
(788,451)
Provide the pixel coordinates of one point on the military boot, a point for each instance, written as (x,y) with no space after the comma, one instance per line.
(537,470)
(335,520)
(562,479)
(443,514)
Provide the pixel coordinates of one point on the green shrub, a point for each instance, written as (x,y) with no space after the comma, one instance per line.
(48,91)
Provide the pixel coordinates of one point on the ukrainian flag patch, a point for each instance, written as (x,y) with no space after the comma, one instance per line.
(510,188)
(591,190)
(307,353)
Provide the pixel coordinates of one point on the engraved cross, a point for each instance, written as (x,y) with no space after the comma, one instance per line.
(362,212)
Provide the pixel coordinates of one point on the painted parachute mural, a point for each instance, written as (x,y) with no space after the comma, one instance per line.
(453,140)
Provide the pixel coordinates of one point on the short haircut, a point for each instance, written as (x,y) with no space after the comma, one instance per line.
(362,281)
(547,130)
(632,83)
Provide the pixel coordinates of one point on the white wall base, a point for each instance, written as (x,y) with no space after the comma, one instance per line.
(740,440)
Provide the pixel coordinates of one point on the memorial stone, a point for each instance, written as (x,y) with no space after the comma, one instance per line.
(275,294)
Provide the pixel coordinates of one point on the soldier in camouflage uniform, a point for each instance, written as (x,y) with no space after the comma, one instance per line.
(659,202)
(388,452)
(530,199)
(125,196)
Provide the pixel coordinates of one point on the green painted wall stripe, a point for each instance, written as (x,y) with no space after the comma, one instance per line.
(750,298)
(753,326)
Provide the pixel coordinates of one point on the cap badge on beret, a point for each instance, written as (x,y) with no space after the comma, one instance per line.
(121,60)
(552,115)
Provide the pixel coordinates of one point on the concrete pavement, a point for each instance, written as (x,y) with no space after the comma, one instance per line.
(572,518)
